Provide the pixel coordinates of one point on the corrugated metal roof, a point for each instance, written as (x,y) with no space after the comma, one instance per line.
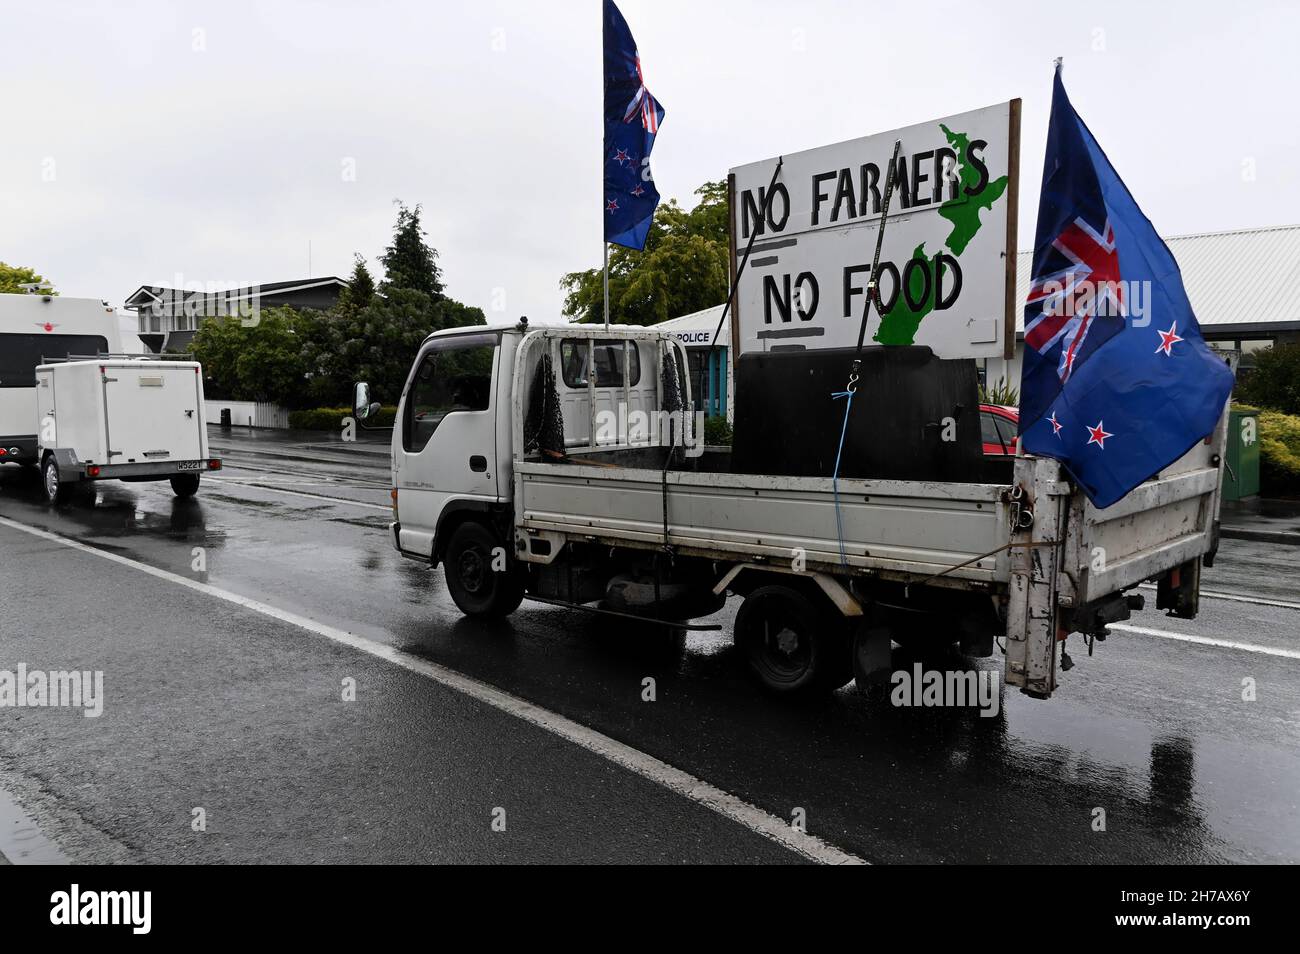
(704,319)
(1243,277)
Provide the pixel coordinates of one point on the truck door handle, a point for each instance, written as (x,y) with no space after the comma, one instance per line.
(478,463)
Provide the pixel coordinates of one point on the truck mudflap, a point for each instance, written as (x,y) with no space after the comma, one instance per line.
(1072,564)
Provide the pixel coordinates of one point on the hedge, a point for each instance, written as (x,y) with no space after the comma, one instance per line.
(331,418)
(1279,454)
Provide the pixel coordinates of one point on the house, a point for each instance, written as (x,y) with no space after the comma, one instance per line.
(710,385)
(167,318)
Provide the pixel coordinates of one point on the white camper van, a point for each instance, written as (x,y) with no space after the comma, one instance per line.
(33,329)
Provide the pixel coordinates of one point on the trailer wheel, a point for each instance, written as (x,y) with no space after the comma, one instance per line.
(793,646)
(57,490)
(185,485)
(475,586)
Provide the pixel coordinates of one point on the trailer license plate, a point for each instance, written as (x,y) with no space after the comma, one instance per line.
(190,465)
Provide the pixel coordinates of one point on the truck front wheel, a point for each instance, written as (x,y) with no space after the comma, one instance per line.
(57,489)
(481,576)
(794,647)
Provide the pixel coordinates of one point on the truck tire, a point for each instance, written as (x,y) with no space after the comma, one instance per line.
(57,489)
(185,485)
(793,646)
(475,587)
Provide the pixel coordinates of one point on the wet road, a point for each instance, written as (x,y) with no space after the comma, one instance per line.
(213,705)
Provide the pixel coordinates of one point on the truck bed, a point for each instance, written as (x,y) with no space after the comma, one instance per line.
(897,529)
(893,527)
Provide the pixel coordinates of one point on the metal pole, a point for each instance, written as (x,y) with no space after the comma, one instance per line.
(607,286)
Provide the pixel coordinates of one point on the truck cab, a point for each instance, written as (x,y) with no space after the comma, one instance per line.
(454,436)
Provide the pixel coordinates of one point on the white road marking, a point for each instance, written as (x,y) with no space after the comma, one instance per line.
(1208,641)
(316,476)
(303,493)
(1238,598)
(647,766)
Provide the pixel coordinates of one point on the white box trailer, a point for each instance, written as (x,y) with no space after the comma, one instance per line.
(118,418)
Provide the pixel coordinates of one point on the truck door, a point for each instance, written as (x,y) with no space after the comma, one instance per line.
(447,431)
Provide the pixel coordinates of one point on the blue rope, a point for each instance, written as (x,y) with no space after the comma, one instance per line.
(835,478)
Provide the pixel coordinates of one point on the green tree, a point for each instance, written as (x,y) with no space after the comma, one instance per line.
(266,361)
(311,359)
(361,286)
(683,268)
(410,262)
(1274,382)
(14,276)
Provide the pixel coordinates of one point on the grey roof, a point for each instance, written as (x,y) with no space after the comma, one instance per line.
(145,293)
(1242,281)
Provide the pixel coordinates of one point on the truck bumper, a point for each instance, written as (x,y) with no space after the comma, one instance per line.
(395,529)
(151,471)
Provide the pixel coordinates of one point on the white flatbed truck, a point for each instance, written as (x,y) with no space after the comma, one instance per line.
(120,418)
(830,575)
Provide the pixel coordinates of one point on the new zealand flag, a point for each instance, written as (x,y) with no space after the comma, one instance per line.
(1117,382)
(632,118)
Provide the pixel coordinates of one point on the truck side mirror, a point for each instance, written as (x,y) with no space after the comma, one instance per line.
(361,405)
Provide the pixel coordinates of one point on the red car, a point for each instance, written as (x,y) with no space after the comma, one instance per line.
(998,427)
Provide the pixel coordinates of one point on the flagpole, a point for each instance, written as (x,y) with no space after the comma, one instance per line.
(606,244)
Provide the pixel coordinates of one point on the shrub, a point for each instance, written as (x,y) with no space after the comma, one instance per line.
(717,431)
(1001,392)
(331,418)
(1279,454)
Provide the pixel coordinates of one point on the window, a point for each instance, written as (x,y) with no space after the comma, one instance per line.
(20,354)
(454,375)
(997,430)
(1007,430)
(609,362)
(988,429)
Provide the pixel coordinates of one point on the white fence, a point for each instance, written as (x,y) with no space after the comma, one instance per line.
(247,413)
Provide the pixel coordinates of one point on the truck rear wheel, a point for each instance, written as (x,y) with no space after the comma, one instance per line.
(57,489)
(793,646)
(482,577)
(185,485)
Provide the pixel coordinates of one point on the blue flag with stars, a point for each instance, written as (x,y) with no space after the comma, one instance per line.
(632,118)
(1117,382)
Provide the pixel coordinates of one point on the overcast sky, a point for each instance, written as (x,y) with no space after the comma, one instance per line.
(145,141)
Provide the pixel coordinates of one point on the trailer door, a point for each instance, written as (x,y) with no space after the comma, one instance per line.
(152,413)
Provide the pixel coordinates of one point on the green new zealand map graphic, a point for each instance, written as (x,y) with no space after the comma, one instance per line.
(898,326)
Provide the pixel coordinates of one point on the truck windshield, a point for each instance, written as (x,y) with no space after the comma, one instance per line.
(455,375)
(21,353)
